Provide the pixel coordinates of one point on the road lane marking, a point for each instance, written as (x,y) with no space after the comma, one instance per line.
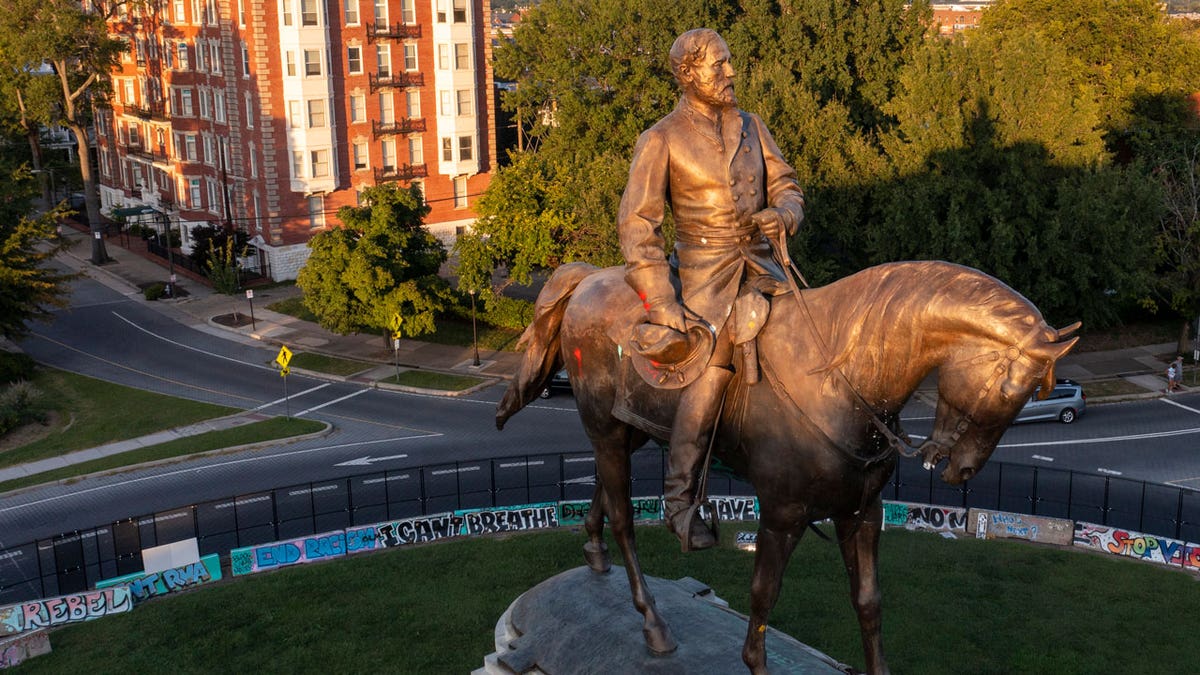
(1107,439)
(336,400)
(143,373)
(195,349)
(198,469)
(1108,471)
(1179,405)
(297,395)
(369,460)
(1043,458)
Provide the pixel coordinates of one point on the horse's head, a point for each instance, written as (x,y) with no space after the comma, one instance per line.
(981,391)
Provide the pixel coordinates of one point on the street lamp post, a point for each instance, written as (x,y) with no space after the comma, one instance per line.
(166,221)
(474,330)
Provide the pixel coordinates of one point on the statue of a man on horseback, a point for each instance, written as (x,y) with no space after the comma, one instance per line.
(732,196)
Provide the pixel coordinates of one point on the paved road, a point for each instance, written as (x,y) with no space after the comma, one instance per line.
(113,337)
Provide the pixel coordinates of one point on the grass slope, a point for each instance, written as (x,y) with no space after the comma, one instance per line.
(950,607)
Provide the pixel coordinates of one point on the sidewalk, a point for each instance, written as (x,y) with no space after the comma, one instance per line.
(130,270)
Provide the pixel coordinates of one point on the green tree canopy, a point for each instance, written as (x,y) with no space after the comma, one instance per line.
(381,262)
(28,288)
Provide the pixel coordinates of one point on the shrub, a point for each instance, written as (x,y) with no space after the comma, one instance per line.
(20,402)
(154,291)
(508,312)
(15,366)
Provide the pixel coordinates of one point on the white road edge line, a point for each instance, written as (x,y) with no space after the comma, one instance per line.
(197,469)
(336,400)
(195,349)
(297,395)
(1043,458)
(1179,405)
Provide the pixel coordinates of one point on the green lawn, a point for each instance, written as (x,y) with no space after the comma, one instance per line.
(277,428)
(329,364)
(93,412)
(427,379)
(950,607)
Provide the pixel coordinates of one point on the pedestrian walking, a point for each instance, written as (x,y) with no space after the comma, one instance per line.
(1171,374)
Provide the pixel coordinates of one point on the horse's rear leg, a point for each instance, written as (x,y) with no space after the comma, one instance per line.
(772,550)
(860,552)
(595,551)
(613,466)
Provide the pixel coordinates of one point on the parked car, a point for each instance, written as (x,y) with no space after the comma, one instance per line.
(560,382)
(1065,404)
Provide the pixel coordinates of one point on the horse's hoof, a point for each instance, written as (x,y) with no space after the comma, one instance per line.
(660,641)
(596,556)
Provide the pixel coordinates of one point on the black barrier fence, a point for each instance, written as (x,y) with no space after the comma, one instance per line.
(75,561)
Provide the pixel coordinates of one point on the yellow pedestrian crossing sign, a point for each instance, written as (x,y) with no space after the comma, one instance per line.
(394,322)
(284,357)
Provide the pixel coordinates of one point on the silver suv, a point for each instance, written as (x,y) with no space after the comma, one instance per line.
(1066,403)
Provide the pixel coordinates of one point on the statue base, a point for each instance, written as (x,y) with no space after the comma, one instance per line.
(583,622)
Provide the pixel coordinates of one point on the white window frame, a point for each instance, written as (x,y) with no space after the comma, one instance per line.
(354,62)
(316,115)
(358,108)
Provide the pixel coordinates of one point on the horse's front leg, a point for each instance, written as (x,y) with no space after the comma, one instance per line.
(772,550)
(859,541)
(595,551)
(613,466)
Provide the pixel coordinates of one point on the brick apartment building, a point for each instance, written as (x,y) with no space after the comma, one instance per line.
(951,18)
(272,114)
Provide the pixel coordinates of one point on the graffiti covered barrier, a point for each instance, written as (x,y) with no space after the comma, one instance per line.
(64,609)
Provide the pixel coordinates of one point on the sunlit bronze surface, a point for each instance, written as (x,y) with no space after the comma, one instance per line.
(802,435)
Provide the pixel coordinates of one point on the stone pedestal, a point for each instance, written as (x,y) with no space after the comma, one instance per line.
(583,622)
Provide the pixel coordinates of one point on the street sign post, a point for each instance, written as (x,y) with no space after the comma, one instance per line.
(250,298)
(283,358)
(396,353)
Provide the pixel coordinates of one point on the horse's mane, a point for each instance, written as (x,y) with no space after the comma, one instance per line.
(884,307)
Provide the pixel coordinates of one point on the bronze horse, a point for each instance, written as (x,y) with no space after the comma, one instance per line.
(804,435)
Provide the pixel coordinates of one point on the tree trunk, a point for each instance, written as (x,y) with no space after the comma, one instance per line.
(91,197)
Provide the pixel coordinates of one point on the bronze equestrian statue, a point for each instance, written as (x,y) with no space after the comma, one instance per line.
(731,194)
(809,413)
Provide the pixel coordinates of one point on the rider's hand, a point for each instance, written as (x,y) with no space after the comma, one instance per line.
(772,222)
(668,313)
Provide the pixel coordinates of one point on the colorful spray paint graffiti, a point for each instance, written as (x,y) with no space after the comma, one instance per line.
(986,524)
(511,519)
(145,586)
(64,609)
(17,649)
(1137,545)
(417,530)
(925,517)
(284,553)
(574,513)
(733,508)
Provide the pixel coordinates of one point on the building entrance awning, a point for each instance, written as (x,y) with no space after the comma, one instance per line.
(130,211)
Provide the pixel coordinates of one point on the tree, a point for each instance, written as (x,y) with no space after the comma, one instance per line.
(76,45)
(381,262)
(1178,239)
(26,244)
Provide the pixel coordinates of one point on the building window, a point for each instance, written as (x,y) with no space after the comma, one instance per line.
(462,56)
(297,164)
(200,56)
(447,149)
(351,12)
(387,108)
(383,60)
(412,99)
(416,151)
(460,192)
(354,60)
(241,10)
(289,59)
(360,155)
(208,149)
(213,200)
(460,11)
(205,104)
(214,56)
(185,102)
(463,103)
(358,108)
(287,12)
(320,163)
(180,15)
(408,11)
(168,53)
(443,57)
(249,111)
(466,149)
(134,136)
(219,105)
(245,60)
(182,49)
(316,113)
(445,108)
(253,155)
(189,146)
(316,211)
(308,13)
(388,154)
(194,193)
(441,11)
(294,114)
(381,13)
(312,62)
(410,56)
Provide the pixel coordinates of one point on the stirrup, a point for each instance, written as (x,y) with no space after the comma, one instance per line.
(690,512)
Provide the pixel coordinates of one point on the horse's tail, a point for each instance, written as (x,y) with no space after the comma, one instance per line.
(543,358)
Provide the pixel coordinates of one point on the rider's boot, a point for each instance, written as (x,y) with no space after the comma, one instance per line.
(694,421)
